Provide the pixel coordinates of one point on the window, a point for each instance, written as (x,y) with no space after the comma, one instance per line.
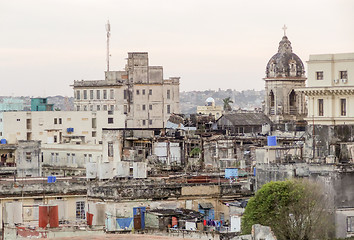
(125,109)
(150,122)
(110,120)
(73,158)
(112,108)
(350,224)
(91,108)
(60,121)
(105,107)
(343,107)
(320,107)
(90,157)
(343,75)
(150,91)
(55,121)
(94,134)
(52,158)
(98,94)
(143,107)
(168,109)
(110,149)
(319,75)
(98,107)
(168,94)
(78,94)
(55,139)
(137,92)
(85,94)
(143,91)
(150,107)
(68,157)
(104,94)
(0,133)
(91,94)
(57,157)
(18,119)
(85,158)
(80,210)
(28,156)
(144,122)
(85,107)
(77,108)
(125,93)
(111,94)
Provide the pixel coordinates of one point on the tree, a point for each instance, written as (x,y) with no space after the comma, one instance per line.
(294,209)
(227,102)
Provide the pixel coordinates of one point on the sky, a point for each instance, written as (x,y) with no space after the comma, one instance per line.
(47,44)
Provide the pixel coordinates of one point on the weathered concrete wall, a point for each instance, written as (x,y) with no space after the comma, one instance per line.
(200,190)
(328,140)
(156,190)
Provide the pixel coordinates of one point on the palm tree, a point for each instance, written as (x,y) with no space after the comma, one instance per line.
(227,101)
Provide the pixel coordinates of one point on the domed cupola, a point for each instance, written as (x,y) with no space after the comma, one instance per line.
(285,73)
(285,63)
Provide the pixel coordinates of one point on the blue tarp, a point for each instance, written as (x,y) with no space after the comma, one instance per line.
(231,172)
(272,140)
(125,223)
(52,179)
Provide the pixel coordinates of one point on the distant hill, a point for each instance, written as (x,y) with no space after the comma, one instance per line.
(248,99)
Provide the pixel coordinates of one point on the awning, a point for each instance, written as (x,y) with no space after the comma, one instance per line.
(206,205)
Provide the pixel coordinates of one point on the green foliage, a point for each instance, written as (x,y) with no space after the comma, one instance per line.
(226,102)
(195,152)
(294,210)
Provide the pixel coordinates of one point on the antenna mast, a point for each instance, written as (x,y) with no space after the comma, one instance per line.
(108,30)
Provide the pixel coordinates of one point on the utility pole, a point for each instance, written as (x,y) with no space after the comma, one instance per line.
(108,30)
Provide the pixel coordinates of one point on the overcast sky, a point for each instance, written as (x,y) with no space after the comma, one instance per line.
(47,44)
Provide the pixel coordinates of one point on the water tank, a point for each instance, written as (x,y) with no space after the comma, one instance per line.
(272,140)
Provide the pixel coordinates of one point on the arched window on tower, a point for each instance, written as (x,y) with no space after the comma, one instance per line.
(292,102)
(271,103)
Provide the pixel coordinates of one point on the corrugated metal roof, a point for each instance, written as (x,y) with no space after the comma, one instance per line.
(244,119)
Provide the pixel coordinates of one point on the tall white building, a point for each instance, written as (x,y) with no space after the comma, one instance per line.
(139,91)
(330,90)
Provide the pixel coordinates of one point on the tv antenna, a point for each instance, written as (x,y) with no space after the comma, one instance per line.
(108,30)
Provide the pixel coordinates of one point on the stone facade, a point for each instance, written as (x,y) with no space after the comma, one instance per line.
(284,73)
(330,91)
(140,92)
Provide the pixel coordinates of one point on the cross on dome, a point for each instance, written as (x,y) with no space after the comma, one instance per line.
(284,29)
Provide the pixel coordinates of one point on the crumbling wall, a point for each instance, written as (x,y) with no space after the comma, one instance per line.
(322,142)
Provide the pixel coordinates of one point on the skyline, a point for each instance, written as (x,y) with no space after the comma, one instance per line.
(46,46)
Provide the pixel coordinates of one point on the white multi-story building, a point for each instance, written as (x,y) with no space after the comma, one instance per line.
(69,140)
(330,90)
(54,127)
(140,92)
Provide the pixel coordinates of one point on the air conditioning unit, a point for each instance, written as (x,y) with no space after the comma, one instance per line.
(336,81)
(344,80)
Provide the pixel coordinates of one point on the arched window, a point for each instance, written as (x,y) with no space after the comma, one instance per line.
(271,98)
(292,99)
(271,103)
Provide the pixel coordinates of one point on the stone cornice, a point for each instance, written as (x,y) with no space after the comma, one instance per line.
(315,91)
